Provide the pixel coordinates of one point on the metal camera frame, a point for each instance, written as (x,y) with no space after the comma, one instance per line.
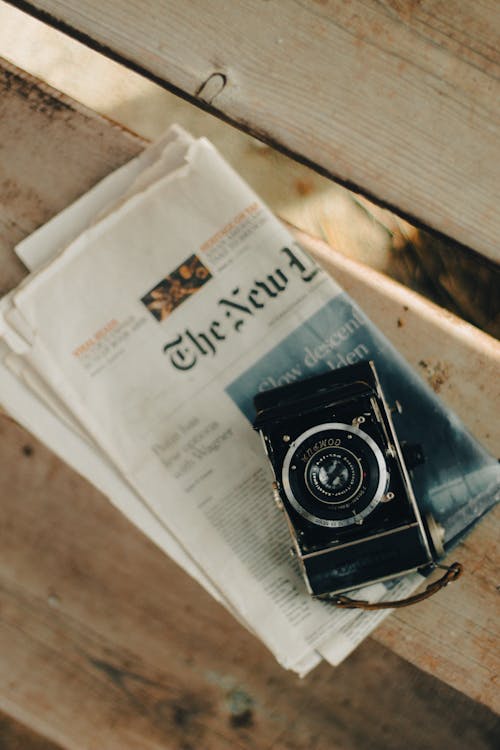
(332,566)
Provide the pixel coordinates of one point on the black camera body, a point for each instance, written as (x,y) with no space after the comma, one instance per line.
(342,481)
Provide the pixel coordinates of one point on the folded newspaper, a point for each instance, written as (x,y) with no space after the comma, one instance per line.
(157,306)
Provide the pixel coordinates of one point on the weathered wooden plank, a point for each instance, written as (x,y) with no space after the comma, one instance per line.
(51,151)
(105,643)
(14,736)
(92,614)
(398,98)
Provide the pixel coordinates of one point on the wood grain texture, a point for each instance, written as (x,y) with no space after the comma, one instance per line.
(105,643)
(399,98)
(15,736)
(70,149)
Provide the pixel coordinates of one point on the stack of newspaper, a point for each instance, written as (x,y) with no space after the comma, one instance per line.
(157,306)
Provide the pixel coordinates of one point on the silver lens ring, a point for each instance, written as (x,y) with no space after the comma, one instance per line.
(381,485)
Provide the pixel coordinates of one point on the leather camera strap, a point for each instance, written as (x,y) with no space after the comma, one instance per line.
(453,572)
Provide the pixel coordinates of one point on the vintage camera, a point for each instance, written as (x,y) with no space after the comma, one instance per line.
(341,479)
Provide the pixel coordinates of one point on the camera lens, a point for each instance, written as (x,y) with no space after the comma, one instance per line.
(333,476)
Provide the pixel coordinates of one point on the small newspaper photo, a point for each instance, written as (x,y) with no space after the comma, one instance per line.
(157,307)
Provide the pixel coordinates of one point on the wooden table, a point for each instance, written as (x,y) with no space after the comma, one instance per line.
(104,643)
(397,98)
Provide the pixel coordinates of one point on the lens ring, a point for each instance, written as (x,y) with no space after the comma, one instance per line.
(376,454)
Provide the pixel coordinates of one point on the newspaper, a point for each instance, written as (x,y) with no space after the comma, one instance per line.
(159,304)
